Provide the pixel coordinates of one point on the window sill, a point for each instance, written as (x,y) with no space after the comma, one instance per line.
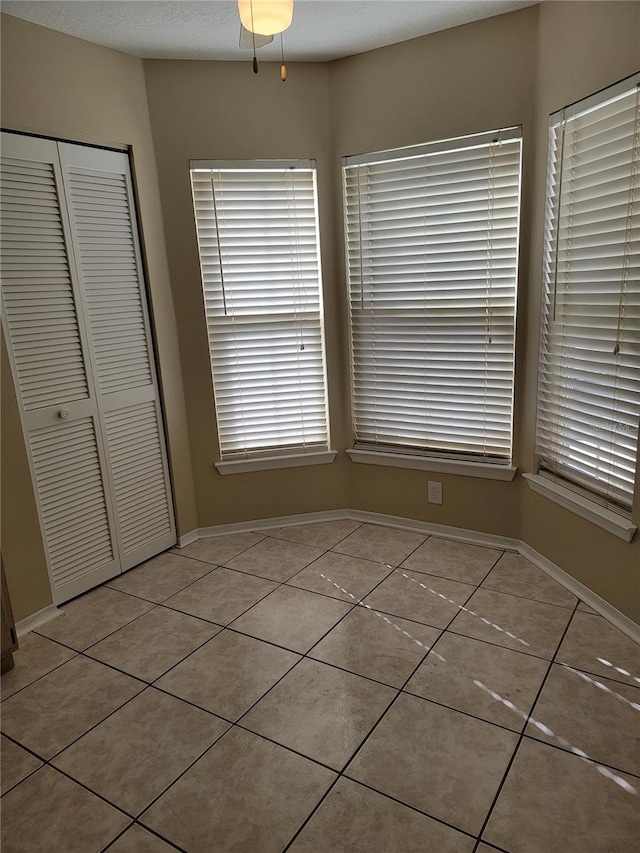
(267,463)
(486,470)
(607,519)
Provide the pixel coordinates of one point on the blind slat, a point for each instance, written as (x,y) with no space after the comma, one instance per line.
(589,389)
(257,235)
(432,245)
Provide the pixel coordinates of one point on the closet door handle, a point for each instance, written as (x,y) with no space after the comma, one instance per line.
(64,414)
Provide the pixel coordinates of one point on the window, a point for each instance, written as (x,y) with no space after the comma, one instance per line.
(257,229)
(589,388)
(432,248)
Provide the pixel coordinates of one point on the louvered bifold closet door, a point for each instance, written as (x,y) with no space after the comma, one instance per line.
(589,389)
(48,351)
(102,213)
(432,250)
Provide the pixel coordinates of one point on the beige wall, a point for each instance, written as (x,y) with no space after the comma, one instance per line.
(512,69)
(385,98)
(582,47)
(465,80)
(221,110)
(60,86)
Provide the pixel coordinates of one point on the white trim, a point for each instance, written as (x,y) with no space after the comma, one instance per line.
(473,140)
(30,623)
(251,165)
(429,528)
(608,611)
(188,538)
(611,93)
(269,523)
(486,470)
(267,463)
(605,518)
(459,534)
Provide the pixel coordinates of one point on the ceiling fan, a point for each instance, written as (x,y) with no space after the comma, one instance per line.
(260,21)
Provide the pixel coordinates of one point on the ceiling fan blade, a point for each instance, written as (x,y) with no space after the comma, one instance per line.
(247,37)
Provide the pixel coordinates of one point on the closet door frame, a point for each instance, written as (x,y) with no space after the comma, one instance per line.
(91,407)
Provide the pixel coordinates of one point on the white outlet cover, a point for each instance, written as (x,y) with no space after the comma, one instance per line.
(434,492)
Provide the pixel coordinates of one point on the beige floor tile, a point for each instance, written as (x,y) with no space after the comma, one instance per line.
(217,549)
(517,576)
(221,596)
(421,598)
(380,544)
(439,761)
(138,840)
(291,617)
(376,646)
(36,657)
(228,674)
(321,534)
(486,848)
(93,616)
(49,813)
(17,764)
(536,627)
(357,577)
(245,794)
(275,559)
(354,819)
(152,644)
(160,577)
(320,711)
(148,743)
(54,711)
(512,675)
(585,608)
(600,723)
(455,560)
(594,645)
(553,801)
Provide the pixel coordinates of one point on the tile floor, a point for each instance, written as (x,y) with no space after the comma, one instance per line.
(329,687)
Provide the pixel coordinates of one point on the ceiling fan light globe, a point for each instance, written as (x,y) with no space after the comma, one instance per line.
(267,17)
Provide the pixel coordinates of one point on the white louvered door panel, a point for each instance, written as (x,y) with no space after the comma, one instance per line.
(51,370)
(68,477)
(101,208)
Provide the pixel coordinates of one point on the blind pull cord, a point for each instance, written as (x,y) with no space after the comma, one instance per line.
(635,169)
(215,216)
(557,222)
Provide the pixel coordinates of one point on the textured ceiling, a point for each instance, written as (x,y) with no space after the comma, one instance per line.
(321,30)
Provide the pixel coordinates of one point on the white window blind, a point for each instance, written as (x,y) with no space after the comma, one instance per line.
(432,248)
(589,388)
(257,229)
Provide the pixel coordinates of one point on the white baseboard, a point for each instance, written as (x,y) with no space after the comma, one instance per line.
(610,613)
(261,524)
(460,534)
(188,538)
(24,626)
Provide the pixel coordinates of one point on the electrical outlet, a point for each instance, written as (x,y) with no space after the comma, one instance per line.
(435,492)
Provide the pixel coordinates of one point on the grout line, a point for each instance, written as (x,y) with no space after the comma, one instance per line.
(569,607)
(233,724)
(469,835)
(118,837)
(521,736)
(375,725)
(44,674)
(341,772)
(465,609)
